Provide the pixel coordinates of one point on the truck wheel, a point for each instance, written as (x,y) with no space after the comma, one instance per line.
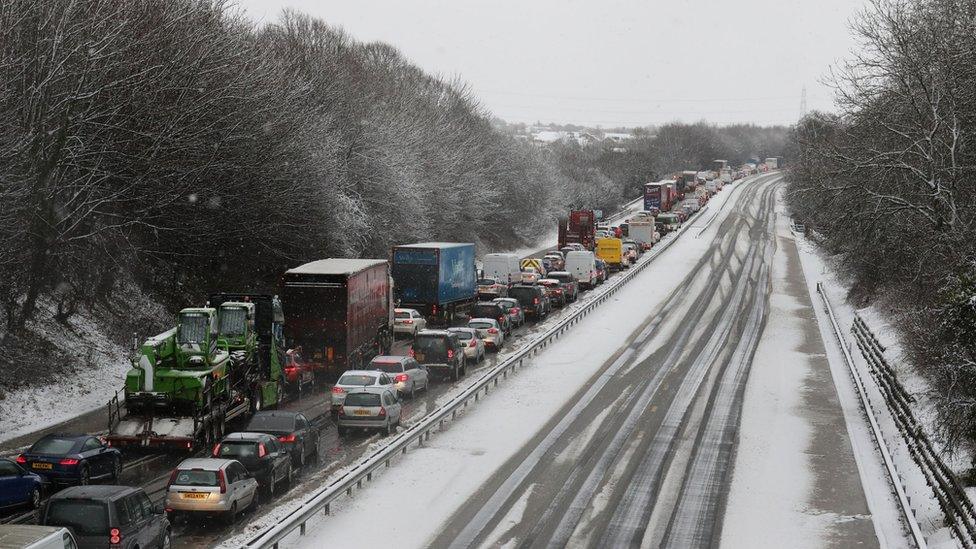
(455,375)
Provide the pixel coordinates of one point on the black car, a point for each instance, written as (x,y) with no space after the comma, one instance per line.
(72,459)
(441,352)
(262,455)
(487,309)
(108,516)
(533,300)
(294,431)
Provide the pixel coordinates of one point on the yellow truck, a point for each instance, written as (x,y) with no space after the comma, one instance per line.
(611,251)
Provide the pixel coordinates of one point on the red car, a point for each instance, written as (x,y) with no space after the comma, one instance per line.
(298,373)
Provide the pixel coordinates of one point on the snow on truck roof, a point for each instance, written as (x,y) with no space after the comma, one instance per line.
(335,266)
(437,245)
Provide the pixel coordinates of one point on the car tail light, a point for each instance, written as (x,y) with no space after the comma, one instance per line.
(492,330)
(216,450)
(411,352)
(287,438)
(223,480)
(473,344)
(338,390)
(501,318)
(535,300)
(69,461)
(515,310)
(450,354)
(262,451)
(114,536)
(382,412)
(434,310)
(21,459)
(559,290)
(400,378)
(408,321)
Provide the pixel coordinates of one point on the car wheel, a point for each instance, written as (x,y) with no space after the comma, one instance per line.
(388,430)
(288,476)
(456,373)
(84,477)
(167,540)
(271,487)
(301,456)
(116,469)
(35,499)
(232,514)
(413,390)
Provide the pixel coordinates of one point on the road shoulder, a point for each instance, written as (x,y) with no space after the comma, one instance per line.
(796,481)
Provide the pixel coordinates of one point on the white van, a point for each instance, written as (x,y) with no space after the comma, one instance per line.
(692,204)
(35,537)
(502,267)
(582,265)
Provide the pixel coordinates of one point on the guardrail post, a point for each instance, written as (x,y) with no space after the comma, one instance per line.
(327,510)
(301,529)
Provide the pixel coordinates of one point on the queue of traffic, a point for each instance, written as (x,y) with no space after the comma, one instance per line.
(339,318)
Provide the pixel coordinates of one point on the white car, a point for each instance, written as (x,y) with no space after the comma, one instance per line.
(408,376)
(530,277)
(357,379)
(489,331)
(474,346)
(408,321)
(210,485)
(370,408)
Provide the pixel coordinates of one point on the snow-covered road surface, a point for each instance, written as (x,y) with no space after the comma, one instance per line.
(624,433)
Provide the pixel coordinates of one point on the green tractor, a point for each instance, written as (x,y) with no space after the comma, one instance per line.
(221,362)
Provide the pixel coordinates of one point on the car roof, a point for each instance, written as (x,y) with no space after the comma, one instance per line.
(392,359)
(69,436)
(433,333)
(491,303)
(247,436)
(464,329)
(405,310)
(205,464)
(95,491)
(23,535)
(560,273)
(505,299)
(492,320)
(275,413)
(361,372)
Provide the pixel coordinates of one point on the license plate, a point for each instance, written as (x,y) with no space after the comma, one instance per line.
(362,412)
(194,495)
(42,465)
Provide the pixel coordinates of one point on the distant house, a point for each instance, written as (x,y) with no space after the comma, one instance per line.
(617,137)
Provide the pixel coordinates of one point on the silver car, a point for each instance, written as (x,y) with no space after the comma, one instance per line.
(408,375)
(516,315)
(370,408)
(408,321)
(357,379)
(207,486)
(489,330)
(474,346)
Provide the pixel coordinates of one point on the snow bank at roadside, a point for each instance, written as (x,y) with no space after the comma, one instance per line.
(91,367)
(818,267)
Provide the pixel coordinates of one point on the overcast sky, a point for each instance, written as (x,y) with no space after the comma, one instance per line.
(612,62)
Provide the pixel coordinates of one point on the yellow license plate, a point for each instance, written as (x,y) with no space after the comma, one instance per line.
(42,465)
(194,495)
(362,412)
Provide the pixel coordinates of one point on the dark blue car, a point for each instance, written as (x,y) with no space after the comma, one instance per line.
(19,487)
(72,459)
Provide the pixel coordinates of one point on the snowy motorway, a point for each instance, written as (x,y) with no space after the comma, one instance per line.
(626,432)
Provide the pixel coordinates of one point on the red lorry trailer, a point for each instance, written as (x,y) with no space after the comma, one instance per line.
(339,312)
(660,195)
(578,228)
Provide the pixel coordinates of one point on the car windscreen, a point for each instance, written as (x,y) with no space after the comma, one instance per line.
(54,445)
(480,325)
(198,477)
(362,399)
(505,305)
(387,366)
(271,422)
(86,517)
(485,311)
(357,379)
(430,347)
(402,314)
(523,295)
(463,334)
(561,278)
(234,449)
